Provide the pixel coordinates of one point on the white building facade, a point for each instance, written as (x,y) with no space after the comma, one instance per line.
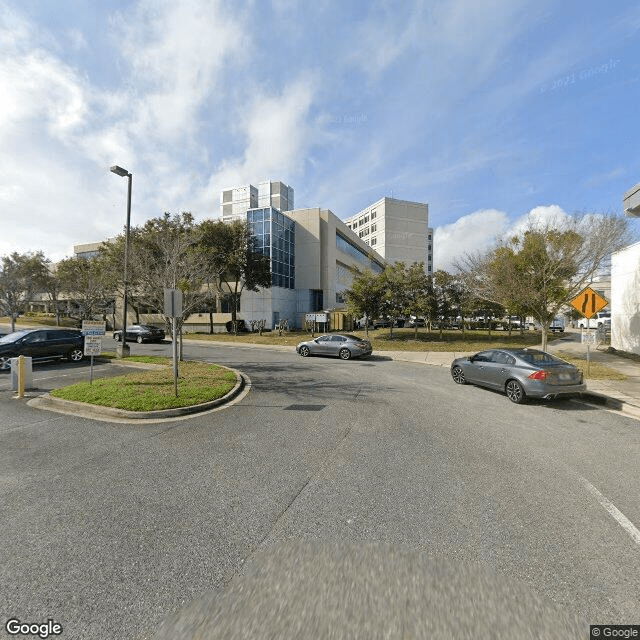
(396,229)
(625,299)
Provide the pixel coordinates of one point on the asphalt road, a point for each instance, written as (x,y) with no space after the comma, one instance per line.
(390,466)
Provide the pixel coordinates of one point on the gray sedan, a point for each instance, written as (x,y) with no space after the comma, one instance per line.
(341,345)
(520,373)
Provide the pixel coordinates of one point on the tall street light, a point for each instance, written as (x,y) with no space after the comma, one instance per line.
(123,350)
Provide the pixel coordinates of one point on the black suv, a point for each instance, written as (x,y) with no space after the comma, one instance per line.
(42,344)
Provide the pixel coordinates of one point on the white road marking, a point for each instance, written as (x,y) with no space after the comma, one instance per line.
(615,513)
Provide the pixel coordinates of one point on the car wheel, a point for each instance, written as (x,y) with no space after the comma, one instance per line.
(5,363)
(304,351)
(458,375)
(345,354)
(515,392)
(75,355)
(116,337)
(139,339)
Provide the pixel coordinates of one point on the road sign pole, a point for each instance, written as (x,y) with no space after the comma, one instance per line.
(175,355)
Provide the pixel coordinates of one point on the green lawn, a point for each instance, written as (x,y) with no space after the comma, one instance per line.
(402,339)
(152,390)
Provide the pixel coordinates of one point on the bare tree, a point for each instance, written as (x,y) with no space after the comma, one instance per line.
(541,268)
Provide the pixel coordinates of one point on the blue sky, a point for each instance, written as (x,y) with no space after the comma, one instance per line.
(485,110)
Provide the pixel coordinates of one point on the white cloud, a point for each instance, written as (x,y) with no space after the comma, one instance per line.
(278,134)
(478,231)
(469,234)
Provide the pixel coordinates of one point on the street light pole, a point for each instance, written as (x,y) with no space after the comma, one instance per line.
(124,349)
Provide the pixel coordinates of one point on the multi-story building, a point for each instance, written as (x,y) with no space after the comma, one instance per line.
(313,259)
(236,201)
(396,229)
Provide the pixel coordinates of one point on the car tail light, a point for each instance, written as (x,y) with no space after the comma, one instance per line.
(539,375)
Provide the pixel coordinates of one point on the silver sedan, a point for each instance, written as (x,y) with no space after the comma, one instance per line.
(340,345)
(520,373)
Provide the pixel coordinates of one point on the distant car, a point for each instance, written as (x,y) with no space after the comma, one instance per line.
(341,345)
(520,373)
(416,322)
(381,323)
(141,333)
(42,344)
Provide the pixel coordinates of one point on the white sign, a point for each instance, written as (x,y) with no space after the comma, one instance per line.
(317,317)
(92,345)
(93,328)
(588,336)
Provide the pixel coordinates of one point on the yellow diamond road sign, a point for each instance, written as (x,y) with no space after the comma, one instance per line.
(588,302)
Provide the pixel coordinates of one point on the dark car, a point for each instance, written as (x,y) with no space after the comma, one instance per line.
(344,346)
(141,333)
(520,373)
(42,344)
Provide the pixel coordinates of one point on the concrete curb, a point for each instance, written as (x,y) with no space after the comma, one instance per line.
(48,402)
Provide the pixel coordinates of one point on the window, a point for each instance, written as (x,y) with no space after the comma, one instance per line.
(373,214)
(365,220)
(374,227)
(366,231)
(373,241)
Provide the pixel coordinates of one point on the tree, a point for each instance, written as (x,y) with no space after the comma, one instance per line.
(232,261)
(543,267)
(418,292)
(86,283)
(162,255)
(394,298)
(21,275)
(364,298)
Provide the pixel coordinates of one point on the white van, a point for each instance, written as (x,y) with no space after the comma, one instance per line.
(601,319)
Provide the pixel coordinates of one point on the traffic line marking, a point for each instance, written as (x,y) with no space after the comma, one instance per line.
(614,512)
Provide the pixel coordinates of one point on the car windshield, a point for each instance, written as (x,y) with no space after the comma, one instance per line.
(12,337)
(534,356)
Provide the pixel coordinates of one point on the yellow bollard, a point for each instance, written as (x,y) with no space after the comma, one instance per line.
(20,376)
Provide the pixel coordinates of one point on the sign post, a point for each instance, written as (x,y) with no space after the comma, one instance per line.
(588,303)
(173,309)
(92,330)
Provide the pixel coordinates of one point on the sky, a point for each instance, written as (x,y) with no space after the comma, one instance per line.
(487,111)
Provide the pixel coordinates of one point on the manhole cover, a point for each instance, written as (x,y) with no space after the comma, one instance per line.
(305,407)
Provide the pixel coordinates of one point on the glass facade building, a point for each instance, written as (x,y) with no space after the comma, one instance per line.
(274,235)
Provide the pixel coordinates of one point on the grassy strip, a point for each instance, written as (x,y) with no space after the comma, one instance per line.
(146,359)
(597,370)
(401,340)
(152,390)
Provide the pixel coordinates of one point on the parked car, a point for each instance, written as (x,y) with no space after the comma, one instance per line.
(520,373)
(42,344)
(141,333)
(601,319)
(381,322)
(416,322)
(341,345)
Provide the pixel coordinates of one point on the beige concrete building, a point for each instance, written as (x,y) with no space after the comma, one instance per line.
(236,201)
(396,229)
(325,252)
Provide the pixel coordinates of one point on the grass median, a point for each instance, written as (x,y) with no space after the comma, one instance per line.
(152,390)
(399,340)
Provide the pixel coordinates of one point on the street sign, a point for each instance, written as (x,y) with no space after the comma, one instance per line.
(92,345)
(172,303)
(588,336)
(93,328)
(588,302)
